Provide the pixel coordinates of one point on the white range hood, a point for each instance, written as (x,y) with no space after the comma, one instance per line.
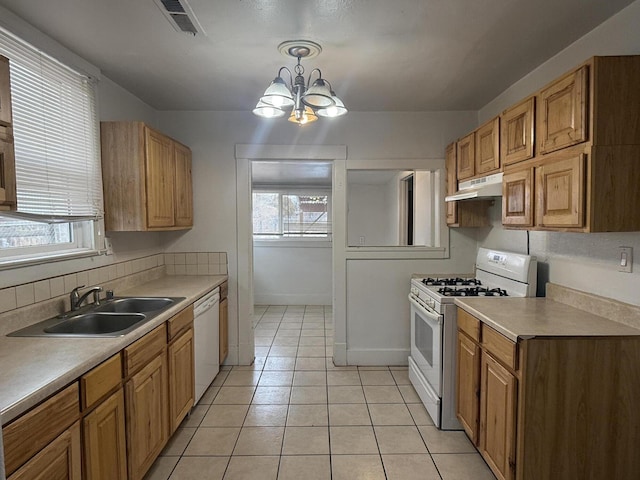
(489,186)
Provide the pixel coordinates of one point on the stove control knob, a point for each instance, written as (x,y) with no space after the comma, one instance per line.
(414,291)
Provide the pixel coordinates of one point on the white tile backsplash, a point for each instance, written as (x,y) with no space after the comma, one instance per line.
(196,263)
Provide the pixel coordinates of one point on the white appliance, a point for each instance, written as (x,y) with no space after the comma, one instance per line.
(206,319)
(432,363)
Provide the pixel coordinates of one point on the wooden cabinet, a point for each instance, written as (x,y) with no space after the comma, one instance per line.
(146,178)
(105,451)
(60,460)
(466,157)
(487,144)
(146,400)
(7,158)
(563,112)
(468,386)
(224,329)
(452,183)
(560,187)
(517,132)
(181,378)
(517,198)
(497,417)
(6,118)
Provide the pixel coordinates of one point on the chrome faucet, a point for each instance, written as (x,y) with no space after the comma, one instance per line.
(76,299)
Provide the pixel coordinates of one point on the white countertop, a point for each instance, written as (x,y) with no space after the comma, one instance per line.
(33,368)
(522,318)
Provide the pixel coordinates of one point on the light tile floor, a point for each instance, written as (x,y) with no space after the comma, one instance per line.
(293,415)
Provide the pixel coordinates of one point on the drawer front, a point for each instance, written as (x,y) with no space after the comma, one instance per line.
(100,381)
(180,322)
(31,432)
(138,354)
(500,347)
(469,324)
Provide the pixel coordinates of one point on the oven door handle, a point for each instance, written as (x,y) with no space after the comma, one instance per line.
(430,315)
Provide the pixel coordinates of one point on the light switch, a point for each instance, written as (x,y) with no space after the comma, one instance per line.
(626,259)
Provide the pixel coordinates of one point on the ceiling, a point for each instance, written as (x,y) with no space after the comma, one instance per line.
(380,55)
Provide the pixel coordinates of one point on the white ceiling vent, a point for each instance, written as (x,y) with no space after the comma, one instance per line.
(180,15)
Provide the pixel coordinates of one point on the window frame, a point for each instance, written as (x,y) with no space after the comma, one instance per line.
(291,240)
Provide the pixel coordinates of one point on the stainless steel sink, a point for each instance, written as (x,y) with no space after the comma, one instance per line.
(112,318)
(99,323)
(135,305)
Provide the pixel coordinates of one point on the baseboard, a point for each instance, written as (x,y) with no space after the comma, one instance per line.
(378,357)
(291,299)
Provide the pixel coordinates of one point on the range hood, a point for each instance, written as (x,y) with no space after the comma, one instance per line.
(489,186)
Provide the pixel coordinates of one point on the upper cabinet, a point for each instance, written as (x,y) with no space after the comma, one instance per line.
(563,112)
(7,160)
(487,143)
(452,182)
(466,154)
(517,132)
(583,175)
(147,179)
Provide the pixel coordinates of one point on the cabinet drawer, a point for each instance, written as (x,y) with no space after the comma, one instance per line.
(500,347)
(179,322)
(469,324)
(31,432)
(100,381)
(140,352)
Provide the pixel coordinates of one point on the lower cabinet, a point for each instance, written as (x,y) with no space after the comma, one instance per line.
(468,383)
(181,378)
(497,440)
(60,460)
(105,450)
(224,329)
(147,415)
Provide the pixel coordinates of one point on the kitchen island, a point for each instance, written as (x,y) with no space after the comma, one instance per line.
(546,390)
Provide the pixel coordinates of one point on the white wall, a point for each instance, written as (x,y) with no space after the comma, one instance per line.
(586,262)
(371,214)
(292,275)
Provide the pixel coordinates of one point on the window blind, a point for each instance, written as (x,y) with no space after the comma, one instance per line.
(55,128)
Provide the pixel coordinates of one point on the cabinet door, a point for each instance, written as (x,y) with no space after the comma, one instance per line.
(7,170)
(181,378)
(452,183)
(60,460)
(497,417)
(224,329)
(184,191)
(147,415)
(560,197)
(5,92)
(468,386)
(160,179)
(487,143)
(517,198)
(516,132)
(105,450)
(465,156)
(563,112)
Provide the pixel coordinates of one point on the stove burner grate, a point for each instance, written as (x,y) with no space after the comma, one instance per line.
(457,281)
(472,292)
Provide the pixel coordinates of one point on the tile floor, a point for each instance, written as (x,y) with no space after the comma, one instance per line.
(293,415)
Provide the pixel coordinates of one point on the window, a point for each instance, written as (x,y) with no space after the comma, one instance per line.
(286,214)
(56,142)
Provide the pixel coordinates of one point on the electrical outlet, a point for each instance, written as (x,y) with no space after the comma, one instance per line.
(108,246)
(625,259)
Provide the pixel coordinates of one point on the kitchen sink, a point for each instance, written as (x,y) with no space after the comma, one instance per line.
(99,323)
(112,318)
(135,305)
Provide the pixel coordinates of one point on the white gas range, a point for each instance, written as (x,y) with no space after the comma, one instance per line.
(432,363)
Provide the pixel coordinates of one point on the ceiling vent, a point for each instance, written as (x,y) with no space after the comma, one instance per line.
(180,15)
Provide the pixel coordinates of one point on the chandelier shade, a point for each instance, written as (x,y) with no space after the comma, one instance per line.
(307,100)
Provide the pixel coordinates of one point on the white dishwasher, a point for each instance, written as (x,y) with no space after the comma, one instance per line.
(206,318)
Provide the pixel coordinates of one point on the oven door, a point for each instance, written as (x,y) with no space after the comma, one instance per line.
(426,344)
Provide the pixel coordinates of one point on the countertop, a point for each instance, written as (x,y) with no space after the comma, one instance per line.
(523,318)
(33,368)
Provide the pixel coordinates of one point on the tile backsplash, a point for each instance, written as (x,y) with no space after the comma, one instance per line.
(117,276)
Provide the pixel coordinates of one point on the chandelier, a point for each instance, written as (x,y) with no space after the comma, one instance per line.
(306,100)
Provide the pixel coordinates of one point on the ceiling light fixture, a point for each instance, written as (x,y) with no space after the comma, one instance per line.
(307,100)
